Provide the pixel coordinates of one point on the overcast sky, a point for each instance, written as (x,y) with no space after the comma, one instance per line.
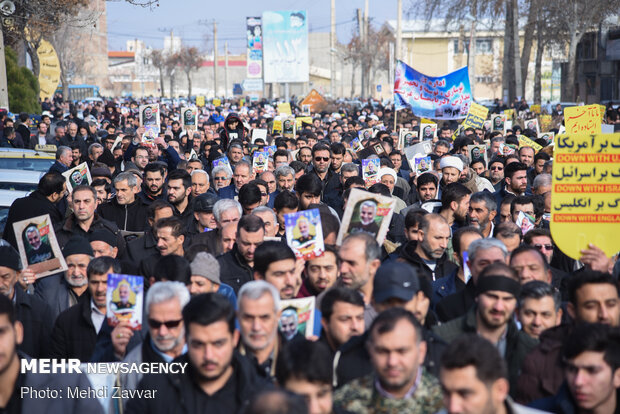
(188,18)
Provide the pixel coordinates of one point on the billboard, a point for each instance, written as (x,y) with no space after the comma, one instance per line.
(285,40)
(254,31)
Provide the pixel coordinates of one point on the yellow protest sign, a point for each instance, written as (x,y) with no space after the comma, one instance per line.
(217,102)
(302,119)
(276,127)
(526,142)
(200,101)
(545,123)
(510,113)
(284,108)
(425,121)
(583,119)
(535,109)
(586,193)
(476,116)
(49,73)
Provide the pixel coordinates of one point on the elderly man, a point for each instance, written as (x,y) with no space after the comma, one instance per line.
(241,176)
(221,177)
(126,209)
(285,177)
(64,158)
(225,212)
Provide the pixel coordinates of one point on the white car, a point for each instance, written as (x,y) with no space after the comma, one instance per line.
(6,199)
(20,180)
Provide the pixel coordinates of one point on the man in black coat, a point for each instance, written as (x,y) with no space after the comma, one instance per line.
(126,209)
(34,314)
(146,246)
(64,158)
(44,200)
(222,383)
(75,330)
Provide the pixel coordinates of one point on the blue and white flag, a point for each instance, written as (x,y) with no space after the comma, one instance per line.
(442,97)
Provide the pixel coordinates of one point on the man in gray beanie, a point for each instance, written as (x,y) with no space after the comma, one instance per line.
(205,277)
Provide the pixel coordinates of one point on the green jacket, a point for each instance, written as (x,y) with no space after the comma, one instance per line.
(518,343)
(361,396)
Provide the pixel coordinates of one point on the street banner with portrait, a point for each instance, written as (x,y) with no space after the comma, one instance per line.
(477,152)
(297,317)
(370,171)
(260,162)
(79,175)
(149,119)
(368,213)
(356,145)
(288,128)
(188,118)
(428,132)
(498,123)
(124,299)
(532,124)
(365,134)
(407,138)
(433,97)
(304,233)
(254,59)
(285,46)
(222,161)
(38,247)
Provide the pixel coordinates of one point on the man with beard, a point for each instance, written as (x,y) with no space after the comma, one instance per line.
(75,330)
(37,251)
(492,318)
(125,209)
(218,379)
(482,212)
(496,172)
(179,195)
(428,256)
(515,177)
(153,186)
(275,263)
(258,316)
(321,161)
(366,223)
(320,273)
(455,205)
(165,339)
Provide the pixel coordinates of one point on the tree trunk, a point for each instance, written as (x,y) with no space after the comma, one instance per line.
(570,84)
(508,66)
(352,80)
(189,85)
(161,83)
(528,41)
(32,52)
(540,49)
(515,45)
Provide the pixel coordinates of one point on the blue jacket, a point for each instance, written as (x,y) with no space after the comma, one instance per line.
(444,286)
(228,192)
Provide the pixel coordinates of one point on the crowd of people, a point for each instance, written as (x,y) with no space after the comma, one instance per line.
(458,310)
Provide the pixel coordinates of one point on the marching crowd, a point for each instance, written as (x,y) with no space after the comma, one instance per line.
(458,310)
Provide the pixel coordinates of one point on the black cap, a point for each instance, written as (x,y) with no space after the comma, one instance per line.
(395,280)
(103,235)
(9,257)
(77,245)
(204,203)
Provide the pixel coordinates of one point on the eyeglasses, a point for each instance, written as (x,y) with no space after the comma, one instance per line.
(219,178)
(544,246)
(497,168)
(263,194)
(169,324)
(319,159)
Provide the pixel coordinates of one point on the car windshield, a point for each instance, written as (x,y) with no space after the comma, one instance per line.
(29,164)
(4,214)
(18,186)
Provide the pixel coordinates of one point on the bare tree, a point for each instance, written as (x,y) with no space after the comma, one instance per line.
(189,59)
(159,61)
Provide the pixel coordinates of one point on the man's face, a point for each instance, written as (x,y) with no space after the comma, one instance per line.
(346,175)
(355,270)
(427,191)
(538,315)
(34,238)
(526,156)
(530,266)
(397,161)
(305,199)
(483,258)
(271,227)
(504,213)
(322,271)
(96,153)
(141,158)
(591,381)
(544,244)
(518,183)
(228,236)
(367,214)
(220,180)
(286,182)
(462,208)
(200,184)
(539,166)
(167,243)
(124,193)
(247,243)
(210,349)
(258,320)
(496,172)
(101,248)
(596,303)
(83,204)
(321,160)
(73,129)
(8,277)
(450,175)
(206,220)
(177,193)
(280,215)
(200,284)
(389,181)
(464,393)
(440,150)
(525,208)
(76,269)
(235,154)
(479,215)
(305,155)
(346,321)
(396,356)
(478,168)
(435,240)
(337,161)
(154,182)
(318,395)
(166,338)
(282,275)
(270,179)
(11,335)
(495,308)
(75,155)
(97,286)
(241,176)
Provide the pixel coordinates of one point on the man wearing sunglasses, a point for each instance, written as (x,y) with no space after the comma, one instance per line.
(165,339)
(321,160)
(496,172)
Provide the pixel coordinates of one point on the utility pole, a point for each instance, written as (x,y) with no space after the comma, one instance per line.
(214,58)
(332,51)
(225,69)
(366,47)
(399,29)
(360,29)
(4,89)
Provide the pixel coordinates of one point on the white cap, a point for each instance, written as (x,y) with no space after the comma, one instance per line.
(373,116)
(451,161)
(387,171)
